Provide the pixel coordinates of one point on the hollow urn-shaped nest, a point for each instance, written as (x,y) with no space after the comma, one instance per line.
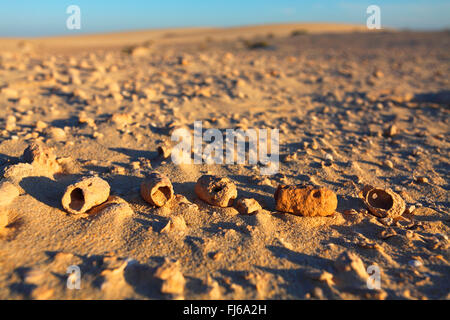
(383,202)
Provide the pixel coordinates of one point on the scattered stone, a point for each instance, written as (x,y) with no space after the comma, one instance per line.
(8,192)
(85,194)
(388,233)
(116,96)
(121,119)
(387,221)
(39,154)
(24,101)
(306,201)
(42,293)
(15,173)
(10,123)
(69,165)
(135,165)
(157,189)
(114,87)
(140,51)
(410,209)
(216,191)
(322,276)
(173,279)
(149,93)
(247,206)
(291,157)
(4,218)
(97,135)
(40,125)
(83,119)
(378,74)
(388,164)
(415,263)
(351,271)
(183,61)
(422,180)
(57,134)
(175,224)
(391,131)
(213,289)
(164,151)
(10,93)
(329,157)
(114,206)
(350,212)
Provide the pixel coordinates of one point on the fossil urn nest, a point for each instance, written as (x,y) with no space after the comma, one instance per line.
(383,202)
(157,189)
(305,200)
(216,191)
(85,194)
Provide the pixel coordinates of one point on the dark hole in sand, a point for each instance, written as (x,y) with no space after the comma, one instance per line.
(76,199)
(380,199)
(316,194)
(217,189)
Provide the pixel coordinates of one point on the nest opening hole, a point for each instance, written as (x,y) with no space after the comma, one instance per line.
(217,189)
(316,194)
(76,199)
(161,195)
(380,199)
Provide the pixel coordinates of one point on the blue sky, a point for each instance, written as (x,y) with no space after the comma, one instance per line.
(30,18)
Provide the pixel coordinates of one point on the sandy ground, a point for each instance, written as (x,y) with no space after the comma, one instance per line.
(106,102)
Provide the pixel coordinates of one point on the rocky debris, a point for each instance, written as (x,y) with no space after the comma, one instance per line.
(321,275)
(55,133)
(121,119)
(85,194)
(69,165)
(350,212)
(388,233)
(247,206)
(15,173)
(391,131)
(38,154)
(378,74)
(4,218)
(388,164)
(114,206)
(164,151)
(183,61)
(351,273)
(84,119)
(173,279)
(40,125)
(140,51)
(24,101)
(8,192)
(10,124)
(114,284)
(157,189)
(176,224)
(175,127)
(216,191)
(422,180)
(306,201)
(10,93)
(383,203)
(213,289)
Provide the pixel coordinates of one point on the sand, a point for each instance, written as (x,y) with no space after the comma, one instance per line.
(353,108)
